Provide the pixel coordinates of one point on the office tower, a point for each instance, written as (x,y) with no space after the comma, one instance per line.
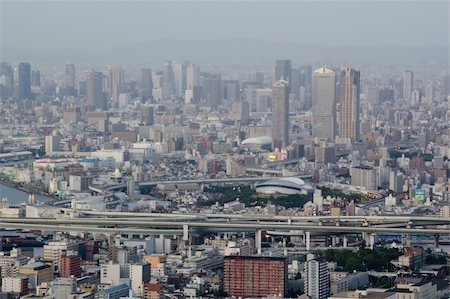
(231,90)
(94,91)
(324,104)
(167,81)
(192,76)
(256,77)
(317,279)
(408,85)
(116,84)
(306,84)
(139,274)
(6,80)
(35,78)
(280,114)
(296,82)
(283,71)
(180,73)
(429,93)
(24,81)
(69,75)
(52,143)
(146,84)
(349,111)
(214,91)
(254,276)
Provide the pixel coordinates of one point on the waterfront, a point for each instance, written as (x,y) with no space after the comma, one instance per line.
(16,196)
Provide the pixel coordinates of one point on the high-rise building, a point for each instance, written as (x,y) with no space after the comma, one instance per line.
(69,75)
(147,114)
(364,176)
(52,143)
(146,84)
(6,80)
(192,76)
(349,119)
(231,90)
(324,104)
(254,276)
(94,91)
(317,279)
(214,91)
(116,84)
(283,71)
(408,85)
(168,89)
(35,78)
(24,81)
(70,265)
(280,114)
(256,77)
(139,274)
(180,73)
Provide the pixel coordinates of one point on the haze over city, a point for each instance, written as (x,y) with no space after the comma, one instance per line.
(229,149)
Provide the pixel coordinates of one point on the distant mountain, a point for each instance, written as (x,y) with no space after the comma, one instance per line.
(235,51)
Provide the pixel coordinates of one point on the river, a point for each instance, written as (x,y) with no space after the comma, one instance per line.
(16,196)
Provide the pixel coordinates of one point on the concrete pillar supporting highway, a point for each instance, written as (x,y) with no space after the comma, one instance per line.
(185,232)
(308,240)
(284,242)
(366,237)
(372,240)
(436,241)
(258,241)
(345,243)
(333,241)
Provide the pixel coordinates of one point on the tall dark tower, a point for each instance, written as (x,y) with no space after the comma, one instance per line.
(283,71)
(24,81)
(146,84)
(94,91)
(280,114)
(350,89)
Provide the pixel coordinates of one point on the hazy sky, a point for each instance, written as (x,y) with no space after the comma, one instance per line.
(105,24)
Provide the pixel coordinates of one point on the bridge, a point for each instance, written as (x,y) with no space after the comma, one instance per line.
(184,224)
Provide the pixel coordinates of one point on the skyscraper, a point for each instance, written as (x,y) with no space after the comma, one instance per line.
(192,76)
(24,81)
(280,114)
(94,91)
(117,80)
(349,121)
(6,80)
(324,104)
(283,71)
(180,73)
(214,95)
(168,81)
(317,279)
(69,76)
(408,85)
(35,78)
(146,84)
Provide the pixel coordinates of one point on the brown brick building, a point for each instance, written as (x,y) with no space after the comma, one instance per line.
(255,276)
